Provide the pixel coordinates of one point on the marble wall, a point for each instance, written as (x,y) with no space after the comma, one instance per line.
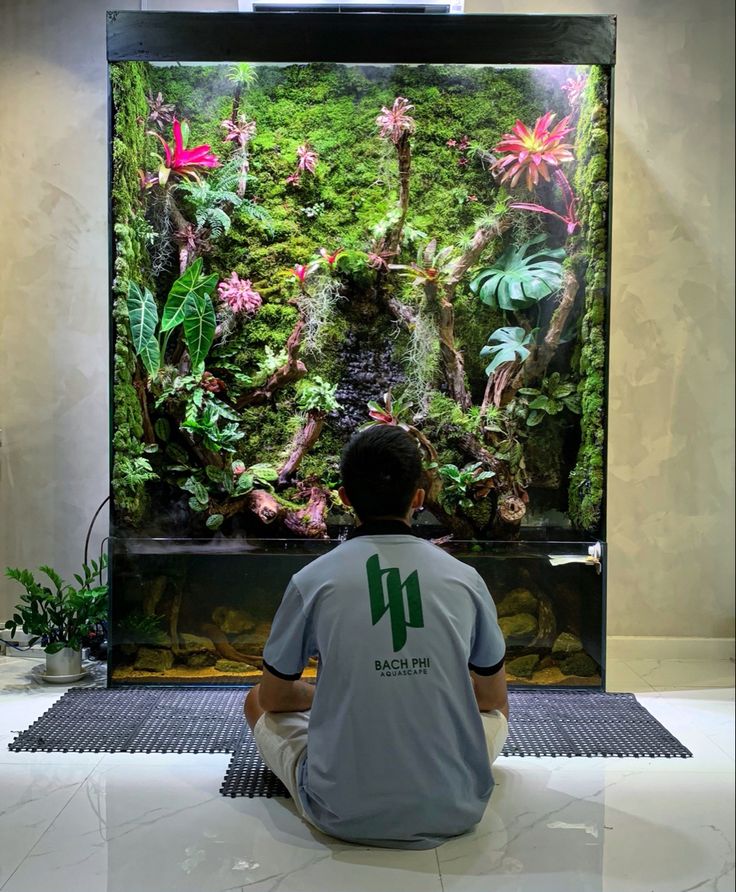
(671,427)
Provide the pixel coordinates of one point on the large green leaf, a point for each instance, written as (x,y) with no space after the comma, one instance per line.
(519,279)
(510,346)
(199,326)
(151,356)
(191,282)
(143,316)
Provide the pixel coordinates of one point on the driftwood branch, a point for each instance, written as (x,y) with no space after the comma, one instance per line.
(536,366)
(303,442)
(309,521)
(292,370)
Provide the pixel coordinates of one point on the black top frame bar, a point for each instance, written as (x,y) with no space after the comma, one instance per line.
(355,37)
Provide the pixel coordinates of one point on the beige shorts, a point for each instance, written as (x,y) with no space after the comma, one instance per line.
(282,742)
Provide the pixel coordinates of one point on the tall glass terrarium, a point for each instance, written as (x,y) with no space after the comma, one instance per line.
(324,221)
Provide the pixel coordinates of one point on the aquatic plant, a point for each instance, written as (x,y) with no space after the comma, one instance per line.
(569,218)
(180,161)
(394,123)
(550,398)
(159,112)
(533,152)
(239,295)
(141,628)
(508,344)
(519,279)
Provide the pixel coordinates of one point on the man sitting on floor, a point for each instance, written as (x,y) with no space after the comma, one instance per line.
(394,745)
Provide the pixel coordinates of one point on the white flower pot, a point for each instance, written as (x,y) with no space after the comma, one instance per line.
(65,663)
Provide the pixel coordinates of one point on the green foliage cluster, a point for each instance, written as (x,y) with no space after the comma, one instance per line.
(350,196)
(591,185)
(130,470)
(61,614)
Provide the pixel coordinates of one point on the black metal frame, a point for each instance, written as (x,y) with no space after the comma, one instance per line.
(364,38)
(361,37)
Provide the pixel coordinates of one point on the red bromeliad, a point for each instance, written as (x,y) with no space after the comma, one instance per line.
(183,162)
(533,152)
(570,218)
(301,271)
(328,258)
(308,158)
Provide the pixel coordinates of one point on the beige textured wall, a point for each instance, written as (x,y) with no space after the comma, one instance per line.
(671,426)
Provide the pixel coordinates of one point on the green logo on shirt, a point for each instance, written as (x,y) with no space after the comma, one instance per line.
(386,592)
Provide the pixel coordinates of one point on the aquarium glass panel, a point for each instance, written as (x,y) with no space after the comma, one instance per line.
(196,612)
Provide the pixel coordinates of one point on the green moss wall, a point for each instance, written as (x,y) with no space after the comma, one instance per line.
(591,186)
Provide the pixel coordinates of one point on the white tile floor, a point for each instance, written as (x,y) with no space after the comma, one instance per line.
(156,823)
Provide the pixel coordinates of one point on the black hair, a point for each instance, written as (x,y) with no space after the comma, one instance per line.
(381,469)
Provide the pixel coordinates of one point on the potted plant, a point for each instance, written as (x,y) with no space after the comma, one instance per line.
(60,616)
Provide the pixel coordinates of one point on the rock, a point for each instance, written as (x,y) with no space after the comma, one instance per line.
(153,659)
(518,629)
(523,667)
(201,660)
(579,664)
(546,663)
(252,642)
(519,600)
(232,620)
(194,644)
(233,668)
(566,643)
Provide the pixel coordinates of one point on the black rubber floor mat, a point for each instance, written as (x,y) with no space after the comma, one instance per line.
(202,720)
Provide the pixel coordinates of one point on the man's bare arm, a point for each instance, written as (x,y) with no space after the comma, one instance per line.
(279,695)
(491,691)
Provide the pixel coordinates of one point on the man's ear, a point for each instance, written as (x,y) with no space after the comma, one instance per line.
(344,497)
(418,500)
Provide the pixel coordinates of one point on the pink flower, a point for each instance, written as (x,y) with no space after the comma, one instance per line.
(451,143)
(308,158)
(238,468)
(239,295)
(532,152)
(396,122)
(293,179)
(184,161)
(472,197)
(574,87)
(241,131)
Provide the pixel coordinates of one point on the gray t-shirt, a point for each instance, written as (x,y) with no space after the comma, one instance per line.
(396,753)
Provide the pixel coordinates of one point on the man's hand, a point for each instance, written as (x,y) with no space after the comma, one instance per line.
(277,695)
(491,691)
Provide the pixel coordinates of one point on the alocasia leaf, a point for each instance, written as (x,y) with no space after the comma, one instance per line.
(143,316)
(191,282)
(199,326)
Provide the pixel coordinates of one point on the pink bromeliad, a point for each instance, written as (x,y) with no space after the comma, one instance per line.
(569,218)
(307,160)
(573,88)
(240,131)
(394,122)
(181,161)
(533,152)
(239,295)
